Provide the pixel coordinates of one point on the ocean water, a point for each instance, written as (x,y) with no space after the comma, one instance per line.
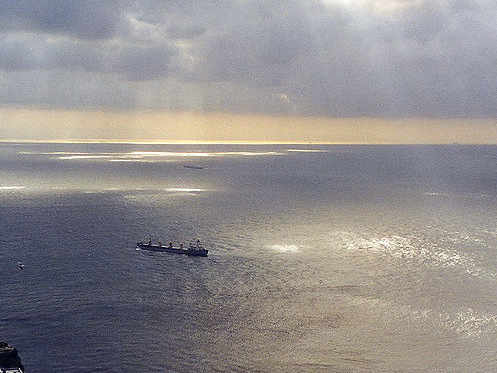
(322,258)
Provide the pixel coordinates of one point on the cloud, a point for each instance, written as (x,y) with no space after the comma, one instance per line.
(333,57)
(144,63)
(90,19)
(177,31)
(133,62)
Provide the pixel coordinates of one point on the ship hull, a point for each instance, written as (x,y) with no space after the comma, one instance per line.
(172,250)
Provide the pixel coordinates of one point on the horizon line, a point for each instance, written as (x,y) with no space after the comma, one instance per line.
(217,142)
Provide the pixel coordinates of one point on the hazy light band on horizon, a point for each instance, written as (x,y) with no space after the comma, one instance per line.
(197,128)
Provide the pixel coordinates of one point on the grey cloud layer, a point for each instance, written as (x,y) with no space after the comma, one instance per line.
(415,58)
(89,19)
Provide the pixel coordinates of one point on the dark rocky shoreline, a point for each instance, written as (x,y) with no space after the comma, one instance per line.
(9,358)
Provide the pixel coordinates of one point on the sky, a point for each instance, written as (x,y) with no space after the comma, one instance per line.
(378,71)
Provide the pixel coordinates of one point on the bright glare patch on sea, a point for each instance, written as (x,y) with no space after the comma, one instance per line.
(307,151)
(11,187)
(138,156)
(285,248)
(185,190)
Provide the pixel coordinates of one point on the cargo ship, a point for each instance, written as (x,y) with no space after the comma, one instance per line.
(193,250)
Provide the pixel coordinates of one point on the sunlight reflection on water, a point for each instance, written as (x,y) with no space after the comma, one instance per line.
(185,190)
(147,154)
(285,248)
(12,187)
(307,151)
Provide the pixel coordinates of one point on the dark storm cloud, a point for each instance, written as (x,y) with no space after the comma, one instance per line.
(133,62)
(389,57)
(89,19)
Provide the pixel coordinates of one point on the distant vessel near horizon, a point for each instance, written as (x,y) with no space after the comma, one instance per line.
(194,167)
(193,249)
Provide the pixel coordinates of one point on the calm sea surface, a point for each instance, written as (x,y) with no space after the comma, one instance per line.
(322,258)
